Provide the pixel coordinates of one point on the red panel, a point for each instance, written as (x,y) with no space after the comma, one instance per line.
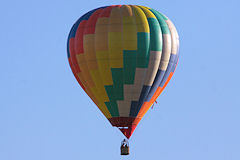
(123,121)
(79,38)
(106,12)
(128,132)
(91,22)
(73,62)
(73,55)
(79,81)
(116,6)
(129,122)
(75,73)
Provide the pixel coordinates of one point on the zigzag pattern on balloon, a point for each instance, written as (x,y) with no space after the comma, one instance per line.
(123,57)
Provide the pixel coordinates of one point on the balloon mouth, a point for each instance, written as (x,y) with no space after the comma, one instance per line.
(126,125)
(127,131)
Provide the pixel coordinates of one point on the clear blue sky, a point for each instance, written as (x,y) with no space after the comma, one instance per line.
(45,115)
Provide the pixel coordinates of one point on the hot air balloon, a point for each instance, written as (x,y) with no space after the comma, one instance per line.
(123,56)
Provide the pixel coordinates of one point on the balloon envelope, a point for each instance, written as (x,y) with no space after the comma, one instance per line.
(123,56)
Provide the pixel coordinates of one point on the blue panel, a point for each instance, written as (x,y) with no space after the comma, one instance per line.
(176,59)
(68,51)
(175,64)
(169,69)
(70,35)
(155,85)
(135,108)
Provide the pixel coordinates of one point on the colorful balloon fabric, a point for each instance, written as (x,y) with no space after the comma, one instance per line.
(123,56)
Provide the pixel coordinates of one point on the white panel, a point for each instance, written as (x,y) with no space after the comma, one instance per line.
(152,69)
(166,52)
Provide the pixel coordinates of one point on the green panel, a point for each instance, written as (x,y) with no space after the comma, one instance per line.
(115,91)
(154,11)
(117,76)
(155,35)
(112,105)
(165,18)
(129,63)
(161,20)
(112,108)
(110,92)
(143,40)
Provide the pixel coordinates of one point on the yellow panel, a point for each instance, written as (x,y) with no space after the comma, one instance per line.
(95,92)
(101,90)
(91,95)
(89,47)
(84,70)
(101,34)
(141,20)
(92,65)
(105,72)
(80,58)
(129,29)
(102,55)
(126,11)
(116,63)
(115,45)
(104,110)
(146,7)
(101,50)
(88,91)
(148,13)
(115,49)
(81,77)
(104,67)
(115,20)
(101,105)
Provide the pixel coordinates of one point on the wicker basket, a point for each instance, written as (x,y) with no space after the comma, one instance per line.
(124,150)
